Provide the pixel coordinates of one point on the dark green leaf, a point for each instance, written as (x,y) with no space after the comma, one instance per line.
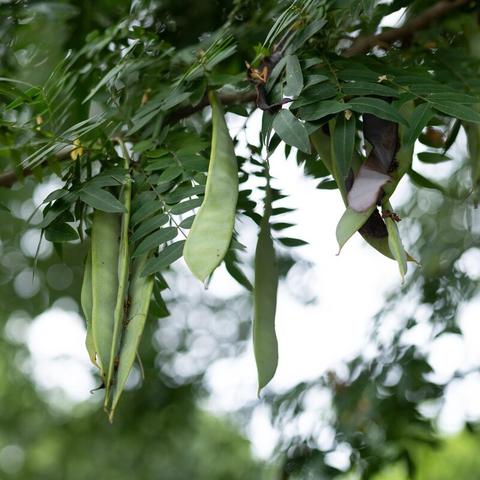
(327,184)
(292,242)
(184,191)
(155,240)
(294,77)
(315,95)
(281,226)
(455,97)
(291,130)
(432,157)
(55,195)
(368,88)
(343,138)
(421,181)
(149,226)
(419,119)
(166,257)
(52,212)
(145,210)
(101,200)
(193,162)
(170,174)
(231,263)
(60,232)
(452,135)
(456,110)
(187,222)
(160,164)
(186,206)
(322,109)
(377,107)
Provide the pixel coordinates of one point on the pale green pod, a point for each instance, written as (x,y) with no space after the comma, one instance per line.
(349,224)
(122,269)
(140,292)
(212,229)
(105,247)
(86,302)
(265,302)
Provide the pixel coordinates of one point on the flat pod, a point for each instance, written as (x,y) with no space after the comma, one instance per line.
(86,302)
(265,302)
(140,292)
(122,277)
(212,229)
(105,250)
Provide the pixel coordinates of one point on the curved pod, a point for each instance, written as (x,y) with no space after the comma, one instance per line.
(140,292)
(212,229)
(265,302)
(105,251)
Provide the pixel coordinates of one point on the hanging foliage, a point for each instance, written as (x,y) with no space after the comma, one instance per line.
(151,172)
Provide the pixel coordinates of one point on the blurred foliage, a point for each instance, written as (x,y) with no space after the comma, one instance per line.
(456,458)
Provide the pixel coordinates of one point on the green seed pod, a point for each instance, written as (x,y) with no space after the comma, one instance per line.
(105,251)
(212,229)
(86,301)
(140,292)
(122,268)
(265,301)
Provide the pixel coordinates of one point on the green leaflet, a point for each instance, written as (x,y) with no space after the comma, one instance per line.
(417,122)
(86,301)
(343,143)
(291,130)
(396,246)
(140,292)
(105,254)
(456,110)
(265,301)
(321,109)
(433,157)
(101,199)
(350,222)
(293,76)
(212,229)
(377,107)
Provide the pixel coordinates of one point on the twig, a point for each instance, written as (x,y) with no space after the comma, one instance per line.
(363,44)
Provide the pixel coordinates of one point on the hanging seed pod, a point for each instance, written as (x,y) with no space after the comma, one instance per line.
(265,301)
(212,229)
(139,294)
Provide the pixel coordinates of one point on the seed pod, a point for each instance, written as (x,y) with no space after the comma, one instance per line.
(140,292)
(212,229)
(123,262)
(105,250)
(86,301)
(265,301)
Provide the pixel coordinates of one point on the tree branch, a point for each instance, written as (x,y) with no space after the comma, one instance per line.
(363,44)
(225,99)
(9,178)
